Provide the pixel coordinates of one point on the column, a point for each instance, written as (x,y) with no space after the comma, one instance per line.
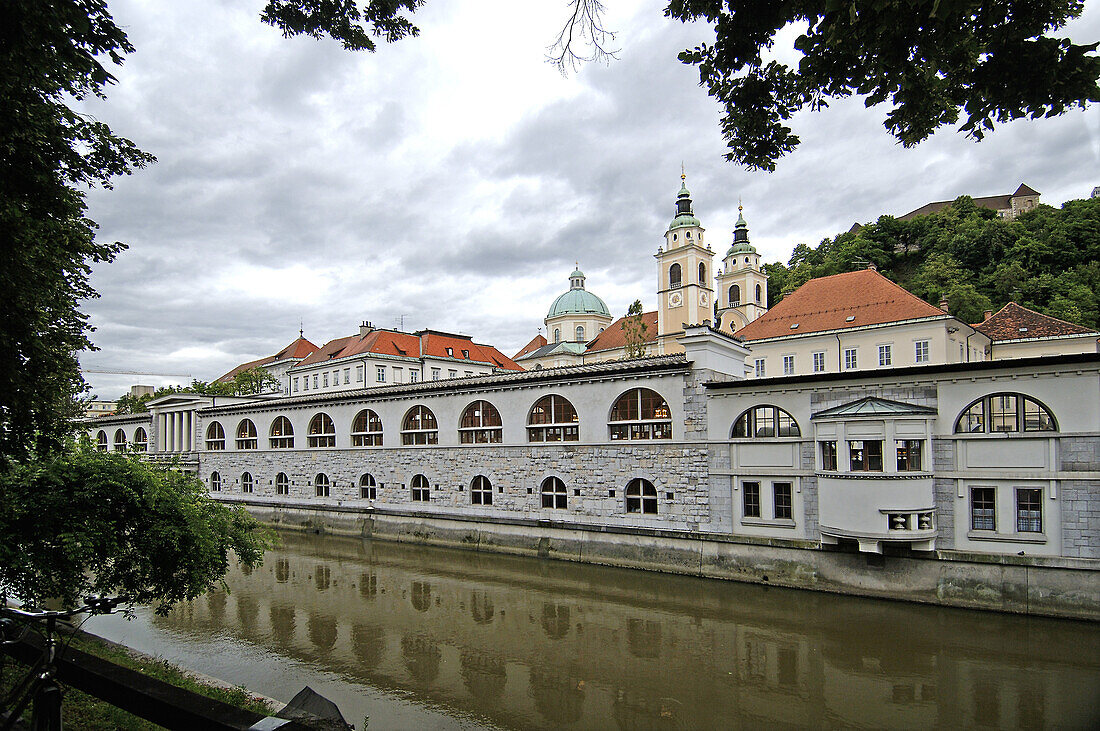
(188,431)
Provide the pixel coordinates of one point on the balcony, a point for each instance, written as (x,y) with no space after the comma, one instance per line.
(875,508)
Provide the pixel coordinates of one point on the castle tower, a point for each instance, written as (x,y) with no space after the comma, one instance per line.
(742,287)
(685,295)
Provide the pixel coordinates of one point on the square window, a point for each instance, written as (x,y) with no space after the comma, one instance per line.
(866,455)
(435,374)
(611,493)
(885,355)
(452,373)
(921,351)
(750,499)
(983,508)
(782,505)
(909,455)
(669,495)
(1029,510)
(819,362)
(788,365)
(850,359)
(414,376)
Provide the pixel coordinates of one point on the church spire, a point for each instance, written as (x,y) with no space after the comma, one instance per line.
(741,228)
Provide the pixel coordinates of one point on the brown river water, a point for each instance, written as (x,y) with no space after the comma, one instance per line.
(411,637)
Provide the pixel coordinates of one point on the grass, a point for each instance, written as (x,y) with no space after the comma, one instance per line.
(82,712)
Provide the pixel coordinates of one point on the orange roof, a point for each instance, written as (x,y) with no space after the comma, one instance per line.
(615,337)
(1015,322)
(298,349)
(827,303)
(426,343)
(536,342)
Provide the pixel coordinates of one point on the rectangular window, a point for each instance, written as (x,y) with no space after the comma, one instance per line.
(885,355)
(1002,414)
(866,455)
(315,380)
(1029,510)
(751,499)
(909,455)
(380,374)
(452,373)
(421,494)
(324,380)
(788,365)
(305,383)
(396,375)
(295,384)
(359,374)
(828,456)
(759,367)
(414,376)
(435,374)
(983,508)
(850,360)
(781,491)
(920,351)
(819,362)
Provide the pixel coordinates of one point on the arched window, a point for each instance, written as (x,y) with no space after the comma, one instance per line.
(215,482)
(557,335)
(641,497)
(481,491)
(674,276)
(580,333)
(366,430)
(322,432)
(758,294)
(421,490)
(141,439)
(480,424)
(120,440)
(553,494)
(1005,412)
(552,419)
(321,485)
(419,426)
(246,435)
(246,482)
(282,484)
(735,295)
(101,441)
(368,488)
(640,414)
(282,433)
(215,437)
(764,421)
(702,273)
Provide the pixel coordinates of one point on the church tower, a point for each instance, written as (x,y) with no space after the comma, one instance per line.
(742,286)
(685,295)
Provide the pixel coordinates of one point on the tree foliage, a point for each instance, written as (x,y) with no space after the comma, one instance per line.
(1048,259)
(634,331)
(932,61)
(249,382)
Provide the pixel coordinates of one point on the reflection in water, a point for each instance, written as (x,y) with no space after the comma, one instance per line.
(520,642)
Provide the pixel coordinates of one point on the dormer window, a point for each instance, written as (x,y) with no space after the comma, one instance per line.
(466,354)
(794,326)
(1023,329)
(850,318)
(450,352)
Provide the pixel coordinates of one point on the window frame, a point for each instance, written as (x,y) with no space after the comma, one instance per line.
(904,452)
(316,434)
(783,509)
(644,428)
(885,355)
(788,365)
(480,411)
(368,487)
(539,432)
(215,437)
(750,499)
(922,352)
(641,497)
(421,489)
(119,444)
(549,493)
(851,359)
(979,415)
(367,437)
(819,361)
(419,436)
(830,455)
(677,281)
(102,444)
(250,438)
(284,439)
(1029,519)
(750,419)
(481,490)
(282,484)
(215,481)
(322,485)
(987,511)
(248,482)
(141,439)
(868,455)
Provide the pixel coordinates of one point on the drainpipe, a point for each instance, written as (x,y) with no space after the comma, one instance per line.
(968,345)
(839,355)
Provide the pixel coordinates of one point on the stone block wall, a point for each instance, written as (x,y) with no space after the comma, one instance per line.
(1080,501)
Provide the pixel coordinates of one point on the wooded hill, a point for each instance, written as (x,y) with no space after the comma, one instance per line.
(1047,259)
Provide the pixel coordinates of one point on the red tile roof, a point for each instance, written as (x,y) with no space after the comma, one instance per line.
(426,343)
(615,337)
(298,349)
(1014,322)
(826,303)
(536,342)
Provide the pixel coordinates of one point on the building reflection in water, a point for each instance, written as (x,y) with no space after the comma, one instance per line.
(542,644)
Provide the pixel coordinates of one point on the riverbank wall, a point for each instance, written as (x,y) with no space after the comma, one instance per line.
(1034,585)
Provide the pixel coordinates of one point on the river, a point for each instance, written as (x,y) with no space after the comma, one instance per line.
(412,637)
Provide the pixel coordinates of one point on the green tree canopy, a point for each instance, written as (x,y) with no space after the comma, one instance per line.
(634,330)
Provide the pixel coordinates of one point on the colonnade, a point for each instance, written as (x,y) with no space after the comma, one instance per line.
(176,431)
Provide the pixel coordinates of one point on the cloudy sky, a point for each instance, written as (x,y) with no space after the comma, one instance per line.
(451,181)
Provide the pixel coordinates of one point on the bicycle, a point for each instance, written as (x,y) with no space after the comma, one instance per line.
(40,683)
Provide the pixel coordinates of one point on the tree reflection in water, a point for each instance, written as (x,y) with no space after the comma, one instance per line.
(422,658)
(282,622)
(369,644)
(215,603)
(322,631)
(559,698)
(247,612)
(483,675)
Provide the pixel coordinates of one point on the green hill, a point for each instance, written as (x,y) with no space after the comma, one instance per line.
(1047,259)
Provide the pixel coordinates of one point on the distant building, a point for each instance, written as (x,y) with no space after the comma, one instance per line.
(277,365)
(95,407)
(1007,206)
(1017,332)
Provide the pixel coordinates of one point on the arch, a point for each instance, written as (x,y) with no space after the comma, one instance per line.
(419,426)
(246,435)
(640,413)
(366,429)
(321,431)
(281,433)
(421,489)
(554,494)
(735,295)
(368,488)
(481,491)
(557,335)
(763,422)
(120,440)
(215,437)
(322,485)
(641,497)
(758,295)
(580,333)
(215,482)
(282,484)
(101,441)
(552,419)
(247,482)
(1005,412)
(674,276)
(702,273)
(480,424)
(141,439)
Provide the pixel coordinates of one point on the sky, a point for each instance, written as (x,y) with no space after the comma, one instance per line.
(453,180)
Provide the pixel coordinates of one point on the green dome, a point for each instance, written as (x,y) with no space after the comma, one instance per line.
(684,215)
(743,247)
(578,301)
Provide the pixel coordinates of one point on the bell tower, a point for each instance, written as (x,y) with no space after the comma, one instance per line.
(742,286)
(685,295)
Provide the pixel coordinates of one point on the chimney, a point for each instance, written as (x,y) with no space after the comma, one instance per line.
(943,305)
(872,267)
(986,315)
(365,328)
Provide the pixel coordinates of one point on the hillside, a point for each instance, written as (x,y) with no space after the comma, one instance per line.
(1048,259)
